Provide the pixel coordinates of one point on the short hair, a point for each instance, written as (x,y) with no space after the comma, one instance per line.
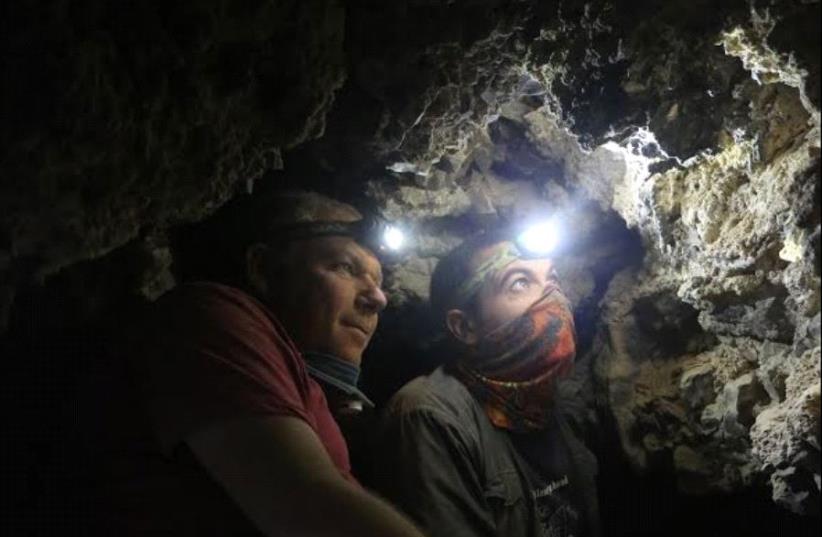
(216,248)
(299,206)
(278,210)
(283,209)
(453,269)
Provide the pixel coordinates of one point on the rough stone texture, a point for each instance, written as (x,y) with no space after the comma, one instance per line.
(123,116)
(720,178)
(785,435)
(729,233)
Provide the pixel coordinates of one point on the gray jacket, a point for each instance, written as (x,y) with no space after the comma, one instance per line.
(441,461)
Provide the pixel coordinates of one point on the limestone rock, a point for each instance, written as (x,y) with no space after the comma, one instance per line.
(123,117)
(786,436)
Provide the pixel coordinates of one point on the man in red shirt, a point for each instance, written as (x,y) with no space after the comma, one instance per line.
(243,442)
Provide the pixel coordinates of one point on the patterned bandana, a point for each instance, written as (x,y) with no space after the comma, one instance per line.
(513,369)
(501,258)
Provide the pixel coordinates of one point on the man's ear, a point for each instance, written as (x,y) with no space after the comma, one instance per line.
(255,268)
(462,326)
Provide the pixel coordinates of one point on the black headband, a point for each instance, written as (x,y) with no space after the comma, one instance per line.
(367,231)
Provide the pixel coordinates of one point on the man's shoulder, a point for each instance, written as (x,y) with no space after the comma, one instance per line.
(208,302)
(206,292)
(438,393)
(210,311)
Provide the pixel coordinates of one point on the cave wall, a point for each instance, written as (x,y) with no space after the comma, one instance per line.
(679,141)
(703,139)
(119,118)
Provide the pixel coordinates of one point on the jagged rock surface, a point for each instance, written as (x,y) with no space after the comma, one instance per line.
(120,118)
(722,184)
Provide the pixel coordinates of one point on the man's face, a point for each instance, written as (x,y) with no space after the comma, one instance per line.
(511,291)
(332,298)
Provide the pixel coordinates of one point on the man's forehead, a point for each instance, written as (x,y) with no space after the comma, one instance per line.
(539,264)
(336,245)
(487,252)
(494,260)
(341,213)
(501,248)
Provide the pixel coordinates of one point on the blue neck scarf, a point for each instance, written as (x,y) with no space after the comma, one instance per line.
(335,372)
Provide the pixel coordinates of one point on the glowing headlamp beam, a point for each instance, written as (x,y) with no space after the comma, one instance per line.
(541,238)
(393,238)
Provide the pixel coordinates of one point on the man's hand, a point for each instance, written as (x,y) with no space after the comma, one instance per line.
(281,476)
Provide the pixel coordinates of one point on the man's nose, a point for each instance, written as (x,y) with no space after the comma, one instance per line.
(372,299)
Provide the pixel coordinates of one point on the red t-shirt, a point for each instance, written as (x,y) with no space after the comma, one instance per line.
(210,353)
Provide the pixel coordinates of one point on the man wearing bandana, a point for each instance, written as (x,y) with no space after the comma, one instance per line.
(480,447)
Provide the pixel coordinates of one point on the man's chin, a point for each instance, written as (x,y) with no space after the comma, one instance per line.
(350,345)
(352,357)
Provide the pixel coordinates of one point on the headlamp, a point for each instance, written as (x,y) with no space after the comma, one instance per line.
(534,240)
(539,239)
(387,241)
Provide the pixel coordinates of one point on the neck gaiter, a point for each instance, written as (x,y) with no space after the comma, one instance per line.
(337,373)
(513,369)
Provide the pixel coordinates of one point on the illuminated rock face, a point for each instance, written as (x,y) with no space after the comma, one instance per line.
(680,144)
(733,236)
(697,342)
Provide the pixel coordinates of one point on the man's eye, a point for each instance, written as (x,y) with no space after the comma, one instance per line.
(344,266)
(520,284)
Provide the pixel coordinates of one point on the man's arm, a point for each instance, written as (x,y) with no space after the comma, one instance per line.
(278,472)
